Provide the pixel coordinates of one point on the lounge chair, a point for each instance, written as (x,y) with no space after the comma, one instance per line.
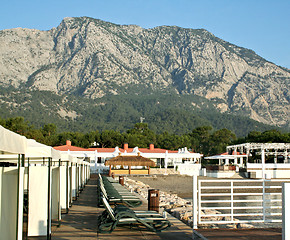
(122,215)
(116,193)
(115,198)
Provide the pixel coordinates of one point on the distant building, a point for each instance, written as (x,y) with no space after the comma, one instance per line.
(162,157)
(259,160)
(265,160)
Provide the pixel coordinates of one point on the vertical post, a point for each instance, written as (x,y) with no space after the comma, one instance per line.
(70,184)
(166,161)
(17,210)
(263,162)
(194,202)
(48,235)
(77,181)
(67,192)
(264,204)
(285,211)
(235,160)
(232,201)
(25,220)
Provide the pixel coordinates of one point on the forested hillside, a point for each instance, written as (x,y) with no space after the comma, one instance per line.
(175,114)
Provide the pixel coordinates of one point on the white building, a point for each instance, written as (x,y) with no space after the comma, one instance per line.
(265,160)
(162,157)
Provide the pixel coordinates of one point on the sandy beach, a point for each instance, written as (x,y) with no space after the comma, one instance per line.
(179,184)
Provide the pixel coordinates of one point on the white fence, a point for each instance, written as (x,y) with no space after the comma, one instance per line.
(238,201)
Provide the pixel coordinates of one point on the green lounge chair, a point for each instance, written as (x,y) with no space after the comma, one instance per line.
(116,193)
(122,215)
(115,198)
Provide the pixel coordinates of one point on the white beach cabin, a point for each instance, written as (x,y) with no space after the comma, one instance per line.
(11,184)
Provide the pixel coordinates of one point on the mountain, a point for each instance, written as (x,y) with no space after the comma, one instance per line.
(93,59)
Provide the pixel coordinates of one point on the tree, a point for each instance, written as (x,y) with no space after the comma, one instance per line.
(110,138)
(17,125)
(140,136)
(49,129)
(219,140)
(200,138)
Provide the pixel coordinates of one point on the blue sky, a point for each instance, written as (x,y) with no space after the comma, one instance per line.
(260,25)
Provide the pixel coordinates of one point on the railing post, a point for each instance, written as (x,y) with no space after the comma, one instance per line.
(264,203)
(285,211)
(194,202)
(232,201)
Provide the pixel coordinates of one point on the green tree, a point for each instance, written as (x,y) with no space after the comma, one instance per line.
(140,136)
(18,125)
(200,139)
(49,129)
(110,138)
(219,140)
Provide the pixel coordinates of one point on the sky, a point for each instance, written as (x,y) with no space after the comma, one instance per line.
(260,25)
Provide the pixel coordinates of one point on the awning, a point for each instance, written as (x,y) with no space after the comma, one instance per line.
(36,149)
(12,142)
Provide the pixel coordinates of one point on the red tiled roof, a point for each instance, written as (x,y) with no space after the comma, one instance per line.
(68,147)
(111,150)
(156,150)
(102,149)
(234,153)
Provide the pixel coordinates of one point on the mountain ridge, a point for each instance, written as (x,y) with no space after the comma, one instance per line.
(93,58)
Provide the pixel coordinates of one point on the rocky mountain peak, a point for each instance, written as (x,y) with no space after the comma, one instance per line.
(93,58)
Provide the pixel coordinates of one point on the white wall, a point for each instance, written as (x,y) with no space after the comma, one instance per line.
(272,173)
(220,174)
(189,169)
(38,201)
(62,185)
(8,202)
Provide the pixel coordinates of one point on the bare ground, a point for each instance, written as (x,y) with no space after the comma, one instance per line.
(179,184)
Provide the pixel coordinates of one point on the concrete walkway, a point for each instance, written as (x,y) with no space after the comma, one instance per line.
(81,222)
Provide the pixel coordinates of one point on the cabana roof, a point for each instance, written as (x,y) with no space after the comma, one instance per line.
(130,161)
(12,142)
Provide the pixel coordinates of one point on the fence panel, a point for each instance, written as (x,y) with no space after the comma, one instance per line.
(239,201)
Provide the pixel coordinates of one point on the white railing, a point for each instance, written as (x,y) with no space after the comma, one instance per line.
(275,166)
(238,201)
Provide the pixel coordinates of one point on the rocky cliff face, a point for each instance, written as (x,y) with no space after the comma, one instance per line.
(93,58)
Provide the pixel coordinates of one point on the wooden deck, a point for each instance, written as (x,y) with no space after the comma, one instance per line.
(242,234)
(81,223)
